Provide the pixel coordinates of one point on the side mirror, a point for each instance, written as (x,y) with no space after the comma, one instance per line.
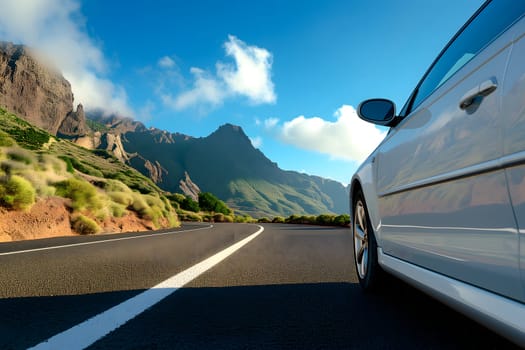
(377,111)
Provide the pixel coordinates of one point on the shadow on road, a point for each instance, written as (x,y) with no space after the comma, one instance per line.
(290,316)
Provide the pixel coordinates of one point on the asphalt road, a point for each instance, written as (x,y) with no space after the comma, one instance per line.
(292,287)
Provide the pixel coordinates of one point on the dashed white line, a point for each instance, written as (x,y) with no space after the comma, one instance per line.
(86,333)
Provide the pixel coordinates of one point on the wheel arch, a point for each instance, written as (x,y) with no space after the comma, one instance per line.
(363,181)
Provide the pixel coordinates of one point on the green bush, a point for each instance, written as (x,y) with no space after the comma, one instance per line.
(278,220)
(17,193)
(207,218)
(84,225)
(324,219)
(264,220)
(69,165)
(117,210)
(126,199)
(20,155)
(83,168)
(6,140)
(208,202)
(190,216)
(83,195)
(189,204)
(29,137)
(10,166)
(244,219)
(342,220)
(116,186)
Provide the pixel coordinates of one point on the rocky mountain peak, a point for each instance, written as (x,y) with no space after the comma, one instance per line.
(36,92)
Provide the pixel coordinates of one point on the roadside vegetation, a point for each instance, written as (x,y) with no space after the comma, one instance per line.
(209,208)
(97,187)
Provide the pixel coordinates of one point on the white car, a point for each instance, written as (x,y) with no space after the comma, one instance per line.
(441,202)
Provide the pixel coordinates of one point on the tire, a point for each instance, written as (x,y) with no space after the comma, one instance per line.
(366,263)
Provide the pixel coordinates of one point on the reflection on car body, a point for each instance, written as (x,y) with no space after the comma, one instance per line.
(441,201)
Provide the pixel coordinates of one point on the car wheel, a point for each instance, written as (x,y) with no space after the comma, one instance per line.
(365,246)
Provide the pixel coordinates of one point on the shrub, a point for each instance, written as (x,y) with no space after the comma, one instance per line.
(209,202)
(207,218)
(324,219)
(219,217)
(84,225)
(6,140)
(116,186)
(83,195)
(342,220)
(189,204)
(11,166)
(190,216)
(126,199)
(83,168)
(278,220)
(239,219)
(51,163)
(29,138)
(69,166)
(17,193)
(264,220)
(117,210)
(20,155)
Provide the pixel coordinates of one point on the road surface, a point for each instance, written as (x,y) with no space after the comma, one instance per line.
(290,287)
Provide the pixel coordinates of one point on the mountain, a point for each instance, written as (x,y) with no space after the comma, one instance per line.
(226,164)
(38,93)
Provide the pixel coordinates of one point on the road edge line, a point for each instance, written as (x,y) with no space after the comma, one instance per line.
(103,241)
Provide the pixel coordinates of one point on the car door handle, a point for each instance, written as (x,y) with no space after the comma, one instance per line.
(484,89)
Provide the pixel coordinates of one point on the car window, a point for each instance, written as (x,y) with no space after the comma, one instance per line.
(497,16)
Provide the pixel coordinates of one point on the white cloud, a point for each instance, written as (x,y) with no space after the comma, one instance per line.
(166,62)
(56,29)
(256,141)
(348,138)
(270,123)
(205,90)
(249,76)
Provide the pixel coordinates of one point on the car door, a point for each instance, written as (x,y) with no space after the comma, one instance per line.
(443,199)
(513,104)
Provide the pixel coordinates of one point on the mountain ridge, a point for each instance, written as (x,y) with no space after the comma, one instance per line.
(224,163)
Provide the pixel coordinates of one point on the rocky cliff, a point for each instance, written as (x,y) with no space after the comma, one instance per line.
(37,93)
(189,188)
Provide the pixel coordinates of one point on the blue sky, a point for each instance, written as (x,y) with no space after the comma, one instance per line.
(288,72)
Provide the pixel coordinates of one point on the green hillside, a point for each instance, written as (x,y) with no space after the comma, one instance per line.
(98,186)
(225,163)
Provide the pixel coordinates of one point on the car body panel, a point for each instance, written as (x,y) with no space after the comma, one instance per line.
(514,135)
(501,314)
(442,204)
(445,190)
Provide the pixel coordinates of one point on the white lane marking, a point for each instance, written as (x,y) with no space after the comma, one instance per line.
(86,333)
(103,241)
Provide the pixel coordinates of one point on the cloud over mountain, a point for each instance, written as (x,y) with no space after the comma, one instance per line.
(56,29)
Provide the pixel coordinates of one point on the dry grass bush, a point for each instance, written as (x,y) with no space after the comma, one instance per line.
(84,225)
(17,193)
(83,195)
(20,155)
